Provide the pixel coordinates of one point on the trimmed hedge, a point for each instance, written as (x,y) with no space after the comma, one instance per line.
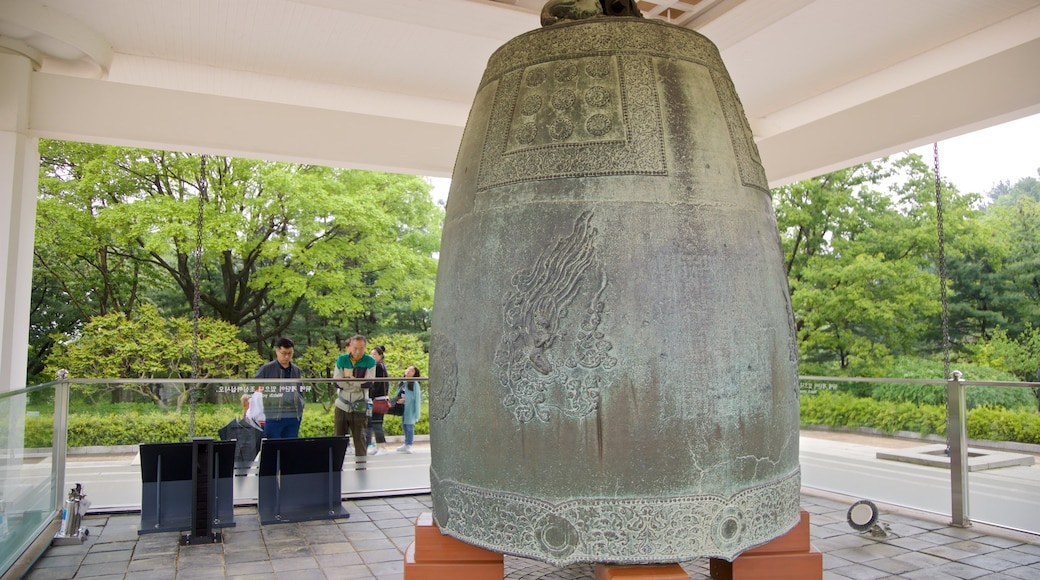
(998,424)
(133,427)
(976,396)
(827,408)
(916,368)
(839,409)
(123,429)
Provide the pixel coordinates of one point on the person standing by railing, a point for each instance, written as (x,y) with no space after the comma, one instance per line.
(255,407)
(379,392)
(351,400)
(410,397)
(283,405)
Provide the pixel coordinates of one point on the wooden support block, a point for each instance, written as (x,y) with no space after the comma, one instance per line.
(803,566)
(789,557)
(796,540)
(434,555)
(433,546)
(648,571)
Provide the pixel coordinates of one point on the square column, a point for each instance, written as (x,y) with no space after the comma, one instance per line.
(19,181)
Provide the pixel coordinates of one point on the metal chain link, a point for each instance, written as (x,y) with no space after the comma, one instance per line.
(196,276)
(942,264)
(942,280)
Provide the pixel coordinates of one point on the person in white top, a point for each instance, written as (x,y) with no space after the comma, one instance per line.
(255,407)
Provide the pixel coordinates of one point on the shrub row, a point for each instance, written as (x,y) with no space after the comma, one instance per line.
(827,408)
(841,409)
(838,409)
(976,396)
(907,368)
(131,428)
(1003,425)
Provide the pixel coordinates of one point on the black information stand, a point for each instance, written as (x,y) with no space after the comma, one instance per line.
(168,490)
(301,479)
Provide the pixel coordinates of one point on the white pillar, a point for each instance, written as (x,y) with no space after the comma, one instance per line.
(19,176)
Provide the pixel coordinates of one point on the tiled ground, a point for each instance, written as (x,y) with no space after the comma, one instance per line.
(371,544)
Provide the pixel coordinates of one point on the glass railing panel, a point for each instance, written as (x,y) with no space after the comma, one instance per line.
(109,419)
(27,492)
(1004,455)
(910,465)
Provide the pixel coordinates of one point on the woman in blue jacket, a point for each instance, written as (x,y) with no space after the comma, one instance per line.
(409,394)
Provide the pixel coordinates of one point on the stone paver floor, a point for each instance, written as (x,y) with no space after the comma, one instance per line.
(371,544)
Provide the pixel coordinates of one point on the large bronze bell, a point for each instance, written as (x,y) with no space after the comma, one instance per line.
(613,364)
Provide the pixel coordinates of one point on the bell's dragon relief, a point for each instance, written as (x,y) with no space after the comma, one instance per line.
(541,365)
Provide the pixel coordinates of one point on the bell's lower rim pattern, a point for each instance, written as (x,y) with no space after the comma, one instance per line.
(652,530)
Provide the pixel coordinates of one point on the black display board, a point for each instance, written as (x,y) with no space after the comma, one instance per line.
(166,486)
(301,479)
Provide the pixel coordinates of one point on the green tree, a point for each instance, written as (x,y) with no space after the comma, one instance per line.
(860,262)
(1016,231)
(278,239)
(1020,356)
(146,345)
(80,270)
(978,287)
(1004,194)
(813,212)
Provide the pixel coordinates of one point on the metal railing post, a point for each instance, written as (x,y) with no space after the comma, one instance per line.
(59,440)
(957,433)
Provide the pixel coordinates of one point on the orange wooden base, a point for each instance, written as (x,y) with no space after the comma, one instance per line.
(790,556)
(649,572)
(435,556)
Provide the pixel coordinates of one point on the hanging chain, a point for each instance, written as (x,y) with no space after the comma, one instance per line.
(942,264)
(196,295)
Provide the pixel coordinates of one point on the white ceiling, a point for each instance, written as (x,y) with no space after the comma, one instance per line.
(387,84)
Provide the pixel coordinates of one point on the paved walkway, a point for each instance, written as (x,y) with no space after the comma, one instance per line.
(371,544)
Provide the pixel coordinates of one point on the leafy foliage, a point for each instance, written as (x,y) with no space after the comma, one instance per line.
(861,249)
(859,263)
(320,254)
(130,427)
(148,346)
(1000,424)
(837,409)
(286,248)
(935,394)
(1020,357)
(1004,194)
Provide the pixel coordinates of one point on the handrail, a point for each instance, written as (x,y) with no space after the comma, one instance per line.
(1026,385)
(157,381)
(26,390)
